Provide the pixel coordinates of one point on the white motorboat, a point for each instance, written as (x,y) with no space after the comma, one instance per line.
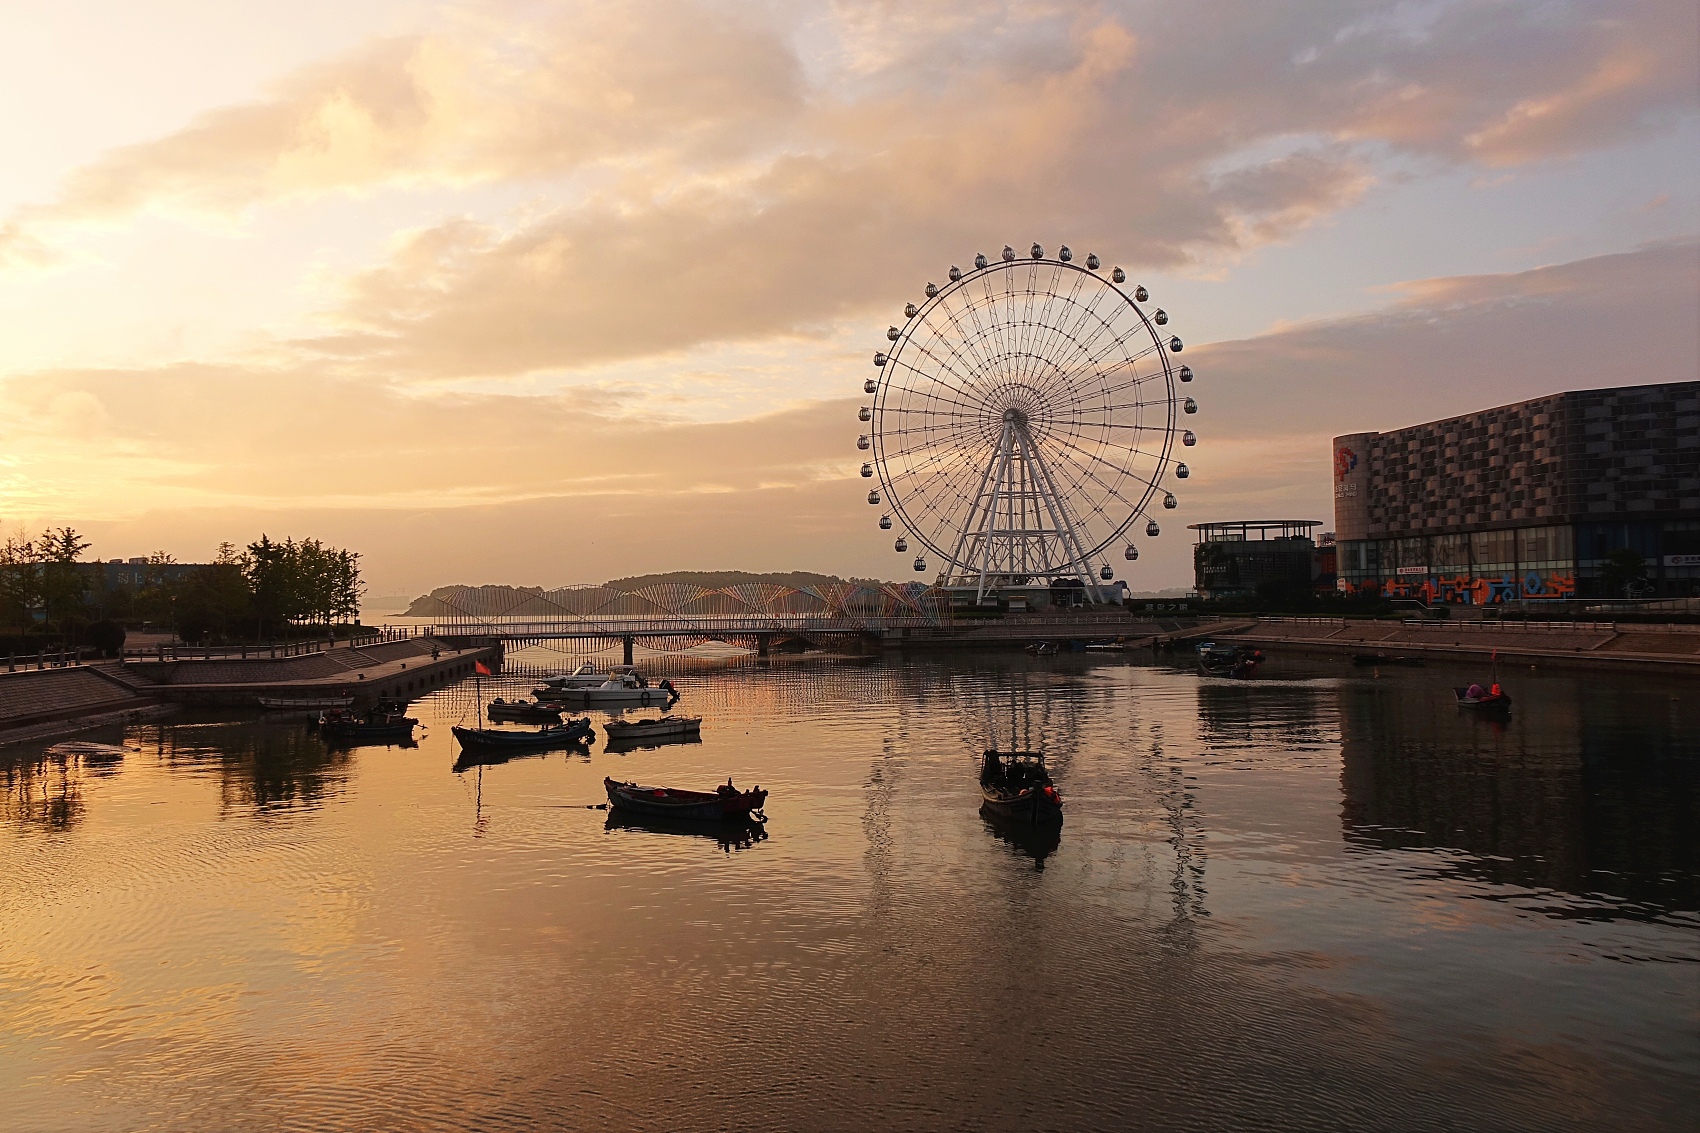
(667,727)
(621,689)
(586,675)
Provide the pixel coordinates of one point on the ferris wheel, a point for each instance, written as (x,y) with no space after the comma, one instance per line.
(1024,420)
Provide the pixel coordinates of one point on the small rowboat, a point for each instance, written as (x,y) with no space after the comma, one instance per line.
(667,727)
(1486,702)
(724,804)
(522,712)
(497,739)
(303,702)
(376,726)
(87,751)
(1015,785)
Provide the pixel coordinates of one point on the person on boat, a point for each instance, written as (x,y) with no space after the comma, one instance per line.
(1474,692)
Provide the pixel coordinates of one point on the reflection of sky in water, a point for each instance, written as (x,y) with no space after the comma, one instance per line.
(1305,901)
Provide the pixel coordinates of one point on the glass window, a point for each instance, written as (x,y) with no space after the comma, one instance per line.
(1544,545)
(1493,548)
(1450,553)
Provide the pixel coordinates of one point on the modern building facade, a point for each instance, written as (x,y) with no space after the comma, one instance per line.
(1526,501)
(1232,558)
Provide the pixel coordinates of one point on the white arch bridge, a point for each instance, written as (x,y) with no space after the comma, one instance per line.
(678,615)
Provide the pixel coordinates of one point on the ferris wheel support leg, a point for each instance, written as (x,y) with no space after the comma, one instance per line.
(1006,449)
(1053,502)
(960,553)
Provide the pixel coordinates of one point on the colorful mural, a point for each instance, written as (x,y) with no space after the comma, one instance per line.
(1467,590)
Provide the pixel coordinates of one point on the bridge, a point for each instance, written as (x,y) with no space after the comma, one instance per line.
(678,615)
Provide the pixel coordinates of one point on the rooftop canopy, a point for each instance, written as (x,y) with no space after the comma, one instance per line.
(1242,530)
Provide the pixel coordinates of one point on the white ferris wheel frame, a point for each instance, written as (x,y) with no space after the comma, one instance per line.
(1019,523)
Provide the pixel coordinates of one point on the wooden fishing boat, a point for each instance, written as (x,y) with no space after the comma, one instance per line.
(503,739)
(388,720)
(1042,649)
(667,727)
(298,703)
(1016,785)
(87,751)
(522,712)
(725,803)
(1237,661)
(1493,701)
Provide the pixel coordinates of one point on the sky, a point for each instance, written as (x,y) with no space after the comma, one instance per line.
(546,293)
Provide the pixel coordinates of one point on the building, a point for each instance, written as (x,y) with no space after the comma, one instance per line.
(1527,501)
(1231,559)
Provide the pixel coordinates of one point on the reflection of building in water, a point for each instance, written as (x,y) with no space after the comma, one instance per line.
(1566,796)
(1262,713)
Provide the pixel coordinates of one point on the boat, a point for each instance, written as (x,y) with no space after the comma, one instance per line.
(1494,700)
(1365,660)
(387,720)
(507,739)
(1042,648)
(724,804)
(315,703)
(586,675)
(621,688)
(522,712)
(1016,785)
(1238,661)
(666,727)
(87,751)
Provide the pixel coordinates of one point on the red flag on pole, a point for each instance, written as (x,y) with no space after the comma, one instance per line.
(481,669)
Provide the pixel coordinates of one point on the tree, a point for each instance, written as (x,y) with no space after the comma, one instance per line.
(62,584)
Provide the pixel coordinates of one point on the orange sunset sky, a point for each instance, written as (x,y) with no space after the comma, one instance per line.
(545,293)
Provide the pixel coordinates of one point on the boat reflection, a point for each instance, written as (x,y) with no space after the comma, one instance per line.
(730,835)
(1021,835)
(467,759)
(620,747)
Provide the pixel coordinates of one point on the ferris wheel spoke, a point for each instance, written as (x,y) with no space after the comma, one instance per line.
(1120,470)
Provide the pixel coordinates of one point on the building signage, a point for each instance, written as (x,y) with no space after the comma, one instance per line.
(1413,570)
(1682,560)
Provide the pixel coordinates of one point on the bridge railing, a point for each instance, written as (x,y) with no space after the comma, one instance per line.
(685,625)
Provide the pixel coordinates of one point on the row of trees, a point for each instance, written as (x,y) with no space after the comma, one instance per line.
(261,590)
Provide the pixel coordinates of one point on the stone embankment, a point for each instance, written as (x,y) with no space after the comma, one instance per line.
(42,702)
(1616,645)
(46,701)
(1052,625)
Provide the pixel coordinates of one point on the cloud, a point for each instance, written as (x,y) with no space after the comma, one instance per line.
(488,487)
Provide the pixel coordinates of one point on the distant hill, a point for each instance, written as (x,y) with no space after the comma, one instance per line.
(717,579)
(491,600)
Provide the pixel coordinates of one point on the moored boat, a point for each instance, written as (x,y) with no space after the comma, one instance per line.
(1016,785)
(1483,700)
(522,712)
(506,739)
(623,688)
(587,675)
(298,703)
(725,803)
(1238,661)
(666,727)
(388,720)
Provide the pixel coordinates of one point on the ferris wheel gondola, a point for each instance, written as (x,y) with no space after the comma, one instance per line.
(1024,419)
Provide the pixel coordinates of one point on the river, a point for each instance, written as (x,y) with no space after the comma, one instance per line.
(1322,899)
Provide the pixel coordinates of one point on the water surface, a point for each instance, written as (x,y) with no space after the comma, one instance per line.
(1323,899)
